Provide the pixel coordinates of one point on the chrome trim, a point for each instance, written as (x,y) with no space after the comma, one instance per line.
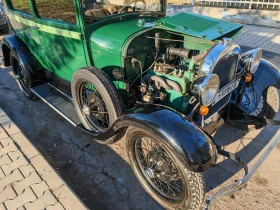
(57,110)
(223,49)
(248,58)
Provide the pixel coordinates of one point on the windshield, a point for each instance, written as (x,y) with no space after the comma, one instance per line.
(99,9)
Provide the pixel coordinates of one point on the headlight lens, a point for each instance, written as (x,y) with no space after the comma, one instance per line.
(206,88)
(251,59)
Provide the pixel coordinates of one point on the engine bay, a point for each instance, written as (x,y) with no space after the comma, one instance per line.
(160,66)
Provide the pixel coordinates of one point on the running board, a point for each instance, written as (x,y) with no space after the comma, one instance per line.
(59,101)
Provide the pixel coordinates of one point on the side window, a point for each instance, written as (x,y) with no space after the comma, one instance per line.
(21,5)
(61,10)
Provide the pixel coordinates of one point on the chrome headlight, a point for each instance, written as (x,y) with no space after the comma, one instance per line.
(205,88)
(251,59)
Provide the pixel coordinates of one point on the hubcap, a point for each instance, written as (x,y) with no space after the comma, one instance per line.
(150,173)
(86,110)
(17,77)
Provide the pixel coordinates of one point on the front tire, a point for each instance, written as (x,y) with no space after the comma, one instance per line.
(96,101)
(161,173)
(268,108)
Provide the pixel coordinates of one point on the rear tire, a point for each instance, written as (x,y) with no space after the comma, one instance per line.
(96,101)
(155,178)
(22,76)
(269,110)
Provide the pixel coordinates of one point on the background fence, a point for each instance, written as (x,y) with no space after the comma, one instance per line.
(244,4)
(240,4)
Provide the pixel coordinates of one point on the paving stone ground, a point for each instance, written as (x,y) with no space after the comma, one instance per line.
(27,181)
(258,36)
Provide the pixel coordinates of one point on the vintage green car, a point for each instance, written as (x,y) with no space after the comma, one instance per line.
(124,68)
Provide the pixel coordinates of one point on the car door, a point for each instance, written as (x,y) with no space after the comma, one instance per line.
(59,31)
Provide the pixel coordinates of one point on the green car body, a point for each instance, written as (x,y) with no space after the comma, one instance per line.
(125,69)
(63,48)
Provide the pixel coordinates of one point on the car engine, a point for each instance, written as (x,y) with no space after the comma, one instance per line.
(161,65)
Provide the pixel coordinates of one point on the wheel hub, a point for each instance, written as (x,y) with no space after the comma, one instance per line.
(150,173)
(86,110)
(17,77)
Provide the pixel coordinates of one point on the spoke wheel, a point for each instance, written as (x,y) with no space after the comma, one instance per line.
(96,101)
(158,169)
(161,173)
(93,107)
(267,108)
(22,77)
(260,108)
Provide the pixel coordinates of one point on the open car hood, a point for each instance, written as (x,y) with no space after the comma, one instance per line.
(199,26)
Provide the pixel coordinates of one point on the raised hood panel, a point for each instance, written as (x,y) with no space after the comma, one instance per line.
(199,26)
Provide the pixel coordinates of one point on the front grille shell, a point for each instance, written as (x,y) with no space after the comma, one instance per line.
(222,60)
(222,51)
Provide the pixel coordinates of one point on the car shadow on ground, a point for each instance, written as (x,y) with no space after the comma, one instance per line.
(100,174)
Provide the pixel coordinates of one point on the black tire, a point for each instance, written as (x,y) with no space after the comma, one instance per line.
(193,195)
(6,30)
(269,110)
(22,77)
(107,97)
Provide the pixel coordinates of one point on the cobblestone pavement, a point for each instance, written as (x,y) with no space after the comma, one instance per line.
(27,181)
(258,36)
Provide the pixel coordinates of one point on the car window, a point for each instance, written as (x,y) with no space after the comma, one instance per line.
(98,9)
(21,5)
(61,10)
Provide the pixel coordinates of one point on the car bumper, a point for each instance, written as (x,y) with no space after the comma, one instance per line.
(238,184)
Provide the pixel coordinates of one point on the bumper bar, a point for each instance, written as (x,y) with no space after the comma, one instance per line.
(238,184)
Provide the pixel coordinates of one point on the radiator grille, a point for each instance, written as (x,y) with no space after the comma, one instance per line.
(226,69)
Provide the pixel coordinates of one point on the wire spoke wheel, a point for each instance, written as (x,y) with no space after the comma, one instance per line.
(159,169)
(93,106)
(161,172)
(97,101)
(22,76)
(267,108)
(260,108)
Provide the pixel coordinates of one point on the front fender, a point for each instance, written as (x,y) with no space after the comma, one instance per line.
(192,145)
(266,75)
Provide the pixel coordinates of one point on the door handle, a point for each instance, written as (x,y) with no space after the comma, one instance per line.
(35,27)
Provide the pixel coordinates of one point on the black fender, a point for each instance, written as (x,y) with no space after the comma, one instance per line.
(193,146)
(14,44)
(266,75)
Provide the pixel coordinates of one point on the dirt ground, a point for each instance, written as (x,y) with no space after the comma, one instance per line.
(101,175)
